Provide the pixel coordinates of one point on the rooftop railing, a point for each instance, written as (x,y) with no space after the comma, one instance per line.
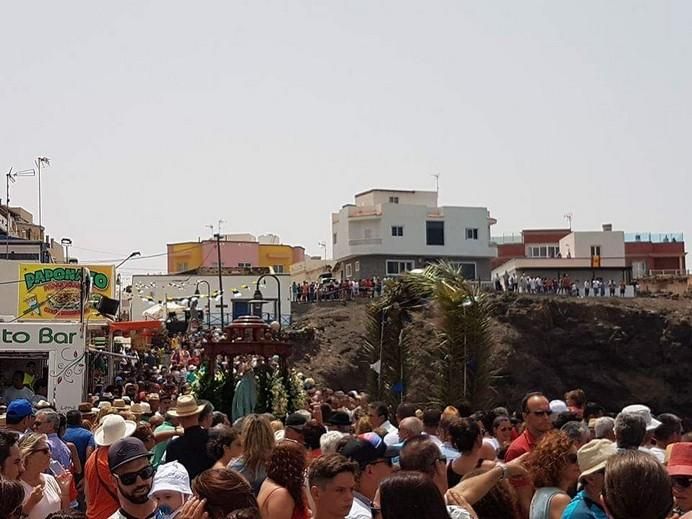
(654,237)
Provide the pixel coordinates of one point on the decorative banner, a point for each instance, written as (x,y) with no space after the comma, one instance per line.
(49,291)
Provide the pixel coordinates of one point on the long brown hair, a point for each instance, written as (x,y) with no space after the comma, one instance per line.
(258,441)
(287,468)
(547,461)
(411,495)
(225,492)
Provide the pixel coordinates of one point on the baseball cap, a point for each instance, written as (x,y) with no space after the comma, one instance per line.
(171,476)
(19,409)
(366,448)
(296,421)
(126,450)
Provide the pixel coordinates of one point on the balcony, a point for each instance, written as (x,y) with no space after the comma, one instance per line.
(654,237)
(365,241)
(365,212)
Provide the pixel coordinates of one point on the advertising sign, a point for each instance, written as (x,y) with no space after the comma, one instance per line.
(50,291)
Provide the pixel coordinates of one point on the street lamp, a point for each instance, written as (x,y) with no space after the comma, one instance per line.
(119,283)
(208,299)
(259,300)
(39,162)
(66,242)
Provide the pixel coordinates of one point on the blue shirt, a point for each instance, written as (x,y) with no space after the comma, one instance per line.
(583,507)
(59,451)
(82,438)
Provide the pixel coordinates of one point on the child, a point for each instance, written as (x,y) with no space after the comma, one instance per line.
(171,488)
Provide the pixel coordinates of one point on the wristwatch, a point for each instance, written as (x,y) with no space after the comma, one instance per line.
(503,475)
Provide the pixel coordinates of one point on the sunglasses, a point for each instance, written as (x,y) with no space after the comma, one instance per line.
(541,413)
(131,477)
(681,481)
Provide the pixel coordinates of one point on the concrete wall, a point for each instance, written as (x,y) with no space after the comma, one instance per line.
(578,244)
(376,265)
(184,256)
(424,198)
(232,253)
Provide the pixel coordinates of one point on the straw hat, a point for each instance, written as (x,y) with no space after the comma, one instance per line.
(137,409)
(113,428)
(186,405)
(592,457)
(120,405)
(104,406)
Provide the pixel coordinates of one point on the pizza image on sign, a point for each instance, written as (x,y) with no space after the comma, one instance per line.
(53,291)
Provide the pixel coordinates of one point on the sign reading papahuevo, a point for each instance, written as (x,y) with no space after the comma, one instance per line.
(52,291)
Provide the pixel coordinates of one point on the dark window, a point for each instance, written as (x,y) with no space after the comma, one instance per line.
(471,234)
(334,238)
(393,199)
(397,230)
(435,233)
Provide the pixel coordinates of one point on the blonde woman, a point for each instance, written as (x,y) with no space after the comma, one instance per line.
(55,496)
(258,443)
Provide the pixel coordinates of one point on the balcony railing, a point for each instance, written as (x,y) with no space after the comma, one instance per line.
(366,241)
(654,237)
(507,238)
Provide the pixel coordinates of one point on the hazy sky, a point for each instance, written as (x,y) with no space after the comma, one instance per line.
(163,117)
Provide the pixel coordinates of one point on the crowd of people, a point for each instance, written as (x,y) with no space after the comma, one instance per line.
(336,290)
(565,285)
(146,449)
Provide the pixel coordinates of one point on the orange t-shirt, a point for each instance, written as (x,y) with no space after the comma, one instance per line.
(103,497)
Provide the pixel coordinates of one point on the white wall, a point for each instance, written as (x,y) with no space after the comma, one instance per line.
(373,235)
(424,198)
(612,245)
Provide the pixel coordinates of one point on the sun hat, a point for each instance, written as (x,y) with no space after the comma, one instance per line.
(680,461)
(173,477)
(137,409)
(186,405)
(113,428)
(104,406)
(592,456)
(153,396)
(146,408)
(126,450)
(643,411)
(120,405)
(19,409)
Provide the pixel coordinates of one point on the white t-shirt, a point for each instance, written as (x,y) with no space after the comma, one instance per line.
(51,501)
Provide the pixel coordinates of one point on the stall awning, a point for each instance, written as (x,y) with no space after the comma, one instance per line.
(135,326)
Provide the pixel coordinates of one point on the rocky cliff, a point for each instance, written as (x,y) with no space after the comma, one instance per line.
(618,351)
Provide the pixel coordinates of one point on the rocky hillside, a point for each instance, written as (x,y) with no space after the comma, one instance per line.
(618,351)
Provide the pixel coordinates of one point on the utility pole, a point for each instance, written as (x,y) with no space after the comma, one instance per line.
(218,255)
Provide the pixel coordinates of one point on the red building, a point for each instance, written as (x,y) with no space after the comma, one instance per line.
(645,253)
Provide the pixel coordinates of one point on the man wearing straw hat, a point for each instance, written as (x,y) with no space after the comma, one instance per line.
(592,457)
(191,448)
(99,488)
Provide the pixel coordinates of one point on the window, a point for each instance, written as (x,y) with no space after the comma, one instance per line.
(468,270)
(349,272)
(398,267)
(471,234)
(393,199)
(181,267)
(397,230)
(245,265)
(435,233)
(595,250)
(334,238)
(278,269)
(357,266)
(543,251)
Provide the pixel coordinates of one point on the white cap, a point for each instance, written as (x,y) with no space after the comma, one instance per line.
(557,407)
(643,411)
(173,477)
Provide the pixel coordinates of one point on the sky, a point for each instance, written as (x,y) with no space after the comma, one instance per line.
(161,118)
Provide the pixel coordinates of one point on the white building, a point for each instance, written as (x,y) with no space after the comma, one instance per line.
(388,232)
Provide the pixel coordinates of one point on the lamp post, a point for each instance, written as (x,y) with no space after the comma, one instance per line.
(258,294)
(218,255)
(208,299)
(66,242)
(39,162)
(119,283)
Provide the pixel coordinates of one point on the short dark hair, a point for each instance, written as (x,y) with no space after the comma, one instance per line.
(431,417)
(326,468)
(670,425)
(380,408)
(527,397)
(8,439)
(74,417)
(630,430)
(207,410)
(312,432)
(419,454)
(405,411)
(220,436)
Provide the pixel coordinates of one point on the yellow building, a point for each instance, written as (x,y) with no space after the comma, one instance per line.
(279,257)
(184,256)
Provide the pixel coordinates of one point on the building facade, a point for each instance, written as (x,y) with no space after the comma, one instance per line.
(640,254)
(243,251)
(386,233)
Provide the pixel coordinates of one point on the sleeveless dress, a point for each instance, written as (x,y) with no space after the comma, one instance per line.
(540,504)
